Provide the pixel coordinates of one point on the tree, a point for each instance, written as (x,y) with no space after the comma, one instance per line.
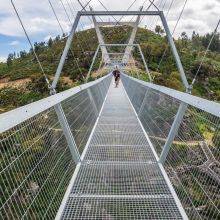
(64,35)
(50,42)
(10,58)
(39,47)
(196,39)
(215,45)
(184,38)
(159,30)
(57,38)
(23,54)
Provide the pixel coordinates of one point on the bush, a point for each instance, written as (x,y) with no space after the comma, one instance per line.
(208,68)
(38,85)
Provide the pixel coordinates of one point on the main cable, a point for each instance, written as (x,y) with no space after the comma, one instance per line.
(62,30)
(170,6)
(174,29)
(31,45)
(65,10)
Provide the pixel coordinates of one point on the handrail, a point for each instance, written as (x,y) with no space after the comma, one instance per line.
(14,117)
(201,103)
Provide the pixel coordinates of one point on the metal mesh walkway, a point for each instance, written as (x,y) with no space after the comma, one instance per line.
(119,177)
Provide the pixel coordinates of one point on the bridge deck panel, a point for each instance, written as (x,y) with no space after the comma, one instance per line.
(119,177)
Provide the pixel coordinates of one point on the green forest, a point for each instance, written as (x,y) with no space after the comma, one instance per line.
(41,146)
(21,80)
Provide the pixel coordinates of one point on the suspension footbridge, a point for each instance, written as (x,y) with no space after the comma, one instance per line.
(100,152)
(119,170)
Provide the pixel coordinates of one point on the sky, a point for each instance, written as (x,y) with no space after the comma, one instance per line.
(40,23)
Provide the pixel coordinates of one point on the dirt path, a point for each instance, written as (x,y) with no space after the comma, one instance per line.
(20,83)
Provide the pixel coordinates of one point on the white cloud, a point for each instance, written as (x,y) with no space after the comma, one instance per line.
(14,43)
(3,59)
(48,37)
(39,19)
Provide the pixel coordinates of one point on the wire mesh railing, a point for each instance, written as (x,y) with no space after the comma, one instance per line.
(192,163)
(35,161)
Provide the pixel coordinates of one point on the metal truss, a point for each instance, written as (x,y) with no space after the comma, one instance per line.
(122,62)
(112,13)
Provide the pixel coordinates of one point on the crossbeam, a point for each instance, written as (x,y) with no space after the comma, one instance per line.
(119,13)
(132,37)
(112,13)
(105,55)
(114,23)
(119,45)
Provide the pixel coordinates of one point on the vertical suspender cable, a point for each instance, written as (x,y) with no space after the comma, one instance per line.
(170,6)
(180,15)
(62,30)
(71,25)
(32,47)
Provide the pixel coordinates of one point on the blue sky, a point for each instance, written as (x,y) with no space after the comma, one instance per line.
(199,15)
(7,43)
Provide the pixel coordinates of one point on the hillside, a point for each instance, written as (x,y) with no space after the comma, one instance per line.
(21,81)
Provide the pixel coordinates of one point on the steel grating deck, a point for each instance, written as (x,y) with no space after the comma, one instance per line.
(119,177)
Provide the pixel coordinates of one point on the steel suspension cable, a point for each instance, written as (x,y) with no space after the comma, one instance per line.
(62,30)
(151,3)
(163,6)
(71,25)
(142,6)
(174,29)
(170,6)
(70,8)
(84,8)
(151,24)
(64,8)
(207,49)
(31,45)
(126,10)
(106,9)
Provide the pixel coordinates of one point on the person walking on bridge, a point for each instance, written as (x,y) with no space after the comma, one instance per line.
(116,74)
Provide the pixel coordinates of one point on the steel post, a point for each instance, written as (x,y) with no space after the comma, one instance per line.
(67,133)
(92,100)
(93,61)
(145,64)
(105,55)
(142,104)
(65,52)
(175,53)
(173,131)
(128,49)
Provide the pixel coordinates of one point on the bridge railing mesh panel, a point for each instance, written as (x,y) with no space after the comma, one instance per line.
(35,162)
(193,162)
